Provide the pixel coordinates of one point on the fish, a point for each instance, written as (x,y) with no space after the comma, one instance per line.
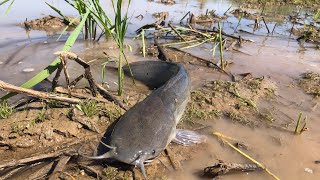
(145,130)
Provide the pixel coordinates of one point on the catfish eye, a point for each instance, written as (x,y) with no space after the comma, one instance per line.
(153,152)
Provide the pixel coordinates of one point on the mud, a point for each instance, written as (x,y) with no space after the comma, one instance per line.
(235,100)
(256,4)
(50,24)
(271,81)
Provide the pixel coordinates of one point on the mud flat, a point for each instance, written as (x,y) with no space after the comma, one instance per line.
(270,78)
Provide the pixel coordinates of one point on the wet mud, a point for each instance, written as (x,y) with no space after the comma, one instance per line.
(270,81)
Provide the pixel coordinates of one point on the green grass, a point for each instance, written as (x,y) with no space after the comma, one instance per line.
(54,65)
(8,8)
(89,108)
(221,46)
(5,110)
(297,131)
(41,116)
(99,18)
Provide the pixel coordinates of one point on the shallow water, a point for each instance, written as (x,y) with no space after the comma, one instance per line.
(278,58)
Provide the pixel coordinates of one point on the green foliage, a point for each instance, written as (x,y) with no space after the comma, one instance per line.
(9,7)
(89,108)
(54,65)
(41,116)
(98,17)
(5,110)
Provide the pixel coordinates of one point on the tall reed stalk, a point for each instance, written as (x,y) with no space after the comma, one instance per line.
(221,46)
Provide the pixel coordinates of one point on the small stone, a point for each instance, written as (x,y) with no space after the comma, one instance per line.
(308,170)
(82,172)
(48,134)
(1,62)
(27,70)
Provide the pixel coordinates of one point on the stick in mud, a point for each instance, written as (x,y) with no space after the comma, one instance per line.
(37,94)
(59,167)
(40,157)
(266,25)
(224,168)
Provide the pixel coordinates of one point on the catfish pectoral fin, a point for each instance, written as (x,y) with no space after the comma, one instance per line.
(187,137)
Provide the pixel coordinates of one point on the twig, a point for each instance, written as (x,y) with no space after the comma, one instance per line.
(59,167)
(66,74)
(266,25)
(225,34)
(296,131)
(175,165)
(221,49)
(87,72)
(109,96)
(184,16)
(274,27)
(37,94)
(56,77)
(209,63)
(11,173)
(92,172)
(76,80)
(162,54)
(40,157)
(43,171)
(176,32)
(245,155)
(224,168)
(79,95)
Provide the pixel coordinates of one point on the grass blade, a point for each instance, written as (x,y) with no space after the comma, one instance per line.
(143,44)
(59,12)
(221,46)
(9,7)
(54,65)
(3,2)
(296,131)
(222,137)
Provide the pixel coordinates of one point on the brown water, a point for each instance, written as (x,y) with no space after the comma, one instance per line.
(277,58)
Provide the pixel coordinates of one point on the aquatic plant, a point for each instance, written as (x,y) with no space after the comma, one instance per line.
(98,17)
(5,109)
(89,108)
(54,65)
(8,8)
(221,46)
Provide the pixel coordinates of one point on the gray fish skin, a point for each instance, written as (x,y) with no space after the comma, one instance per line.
(145,130)
(148,127)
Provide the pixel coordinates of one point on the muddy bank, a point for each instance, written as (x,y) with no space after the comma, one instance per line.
(51,24)
(269,81)
(256,4)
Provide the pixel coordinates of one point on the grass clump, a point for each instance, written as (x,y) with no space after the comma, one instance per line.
(113,112)
(15,128)
(89,108)
(41,116)
(5,110)
(310,83)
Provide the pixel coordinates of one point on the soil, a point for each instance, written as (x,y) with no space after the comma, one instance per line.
(50,24)
(270,81)
(256,4)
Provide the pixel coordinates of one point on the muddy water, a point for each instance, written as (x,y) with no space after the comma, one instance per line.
(279,59)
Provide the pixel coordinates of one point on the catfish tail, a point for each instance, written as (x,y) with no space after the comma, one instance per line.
(152,73)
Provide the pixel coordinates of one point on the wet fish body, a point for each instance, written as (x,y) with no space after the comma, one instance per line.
(145,130)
